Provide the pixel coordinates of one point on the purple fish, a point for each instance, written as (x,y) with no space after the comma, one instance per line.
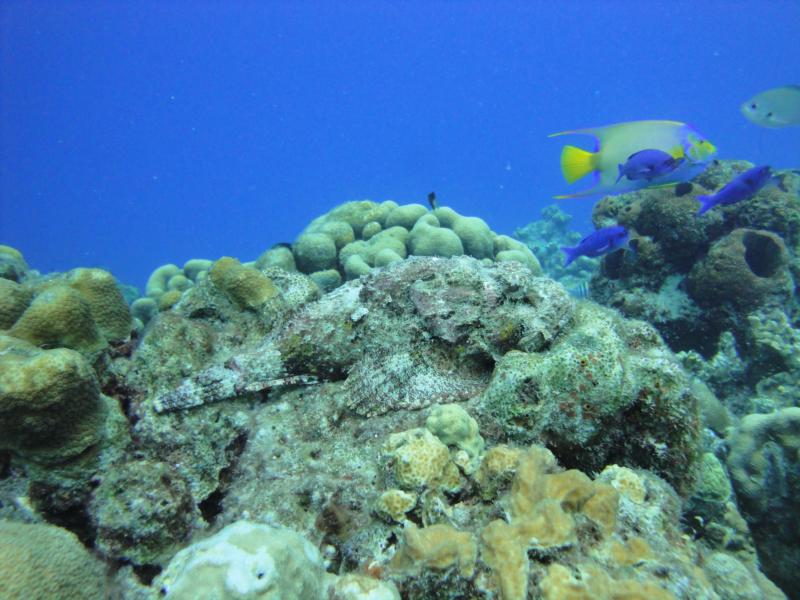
(743,187)
(598,243)
(648,164)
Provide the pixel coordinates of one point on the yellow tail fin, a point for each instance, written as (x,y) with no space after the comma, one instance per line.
(576,163)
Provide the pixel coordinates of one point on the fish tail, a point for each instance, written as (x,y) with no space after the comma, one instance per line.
(577,163)
(620,174)
(571,252)
(706,204)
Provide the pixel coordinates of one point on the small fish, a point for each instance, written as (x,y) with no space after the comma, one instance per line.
(778,107)
(597,243)
(683,188)
(649,164)
(742,187)
(580,291)
(615,144)
(432,201)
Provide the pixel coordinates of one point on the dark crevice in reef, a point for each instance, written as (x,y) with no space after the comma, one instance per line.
(146,573)
(5,464)
(212,505)
(58,508)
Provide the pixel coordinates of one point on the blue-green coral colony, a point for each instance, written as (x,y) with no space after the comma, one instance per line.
(404,404)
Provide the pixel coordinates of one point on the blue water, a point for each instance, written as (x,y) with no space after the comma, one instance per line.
(134,134)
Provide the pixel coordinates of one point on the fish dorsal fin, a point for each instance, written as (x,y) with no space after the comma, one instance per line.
(577,163)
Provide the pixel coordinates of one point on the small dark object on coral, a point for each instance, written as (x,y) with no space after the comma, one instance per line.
(432,201)
(683,188)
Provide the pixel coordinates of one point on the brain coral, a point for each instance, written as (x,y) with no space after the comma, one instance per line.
(59,316)
(50,403)
(83,309)
(12,264)
(246,287)
(43,562)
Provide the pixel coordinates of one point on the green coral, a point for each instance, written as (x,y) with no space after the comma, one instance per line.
(61,317)
(277,256)
(712,480)
(158,282)
(109,310)
(327,280)
(14,299)
(12,264)
(405,216)
(50,403)
(43,562)
(246,287)
(475,235)
(314,252)
(455,427)
(426,239)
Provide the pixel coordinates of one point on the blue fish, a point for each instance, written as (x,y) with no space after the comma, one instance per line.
(598,243)
(648,164)
(743,187)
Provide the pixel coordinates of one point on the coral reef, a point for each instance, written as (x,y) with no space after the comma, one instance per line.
(83,310)
(42,562)
(400,405)
(12,264)
(546,237)
(765,469)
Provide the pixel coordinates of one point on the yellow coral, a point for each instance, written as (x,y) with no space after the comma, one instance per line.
(496,469)
(507,558)
(602,506)
(168,299)
(626,482)
(395,504)
(630,552)
(60,317)
(246,287)
(541,503)
(436,547)
(419,458)
(595,584)
(109,309)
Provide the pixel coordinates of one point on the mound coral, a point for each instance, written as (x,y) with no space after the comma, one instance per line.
(42,562)
(50,403)
(246,287)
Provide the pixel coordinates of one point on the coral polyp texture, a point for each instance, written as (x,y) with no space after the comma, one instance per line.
(400,405)
(350,241)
